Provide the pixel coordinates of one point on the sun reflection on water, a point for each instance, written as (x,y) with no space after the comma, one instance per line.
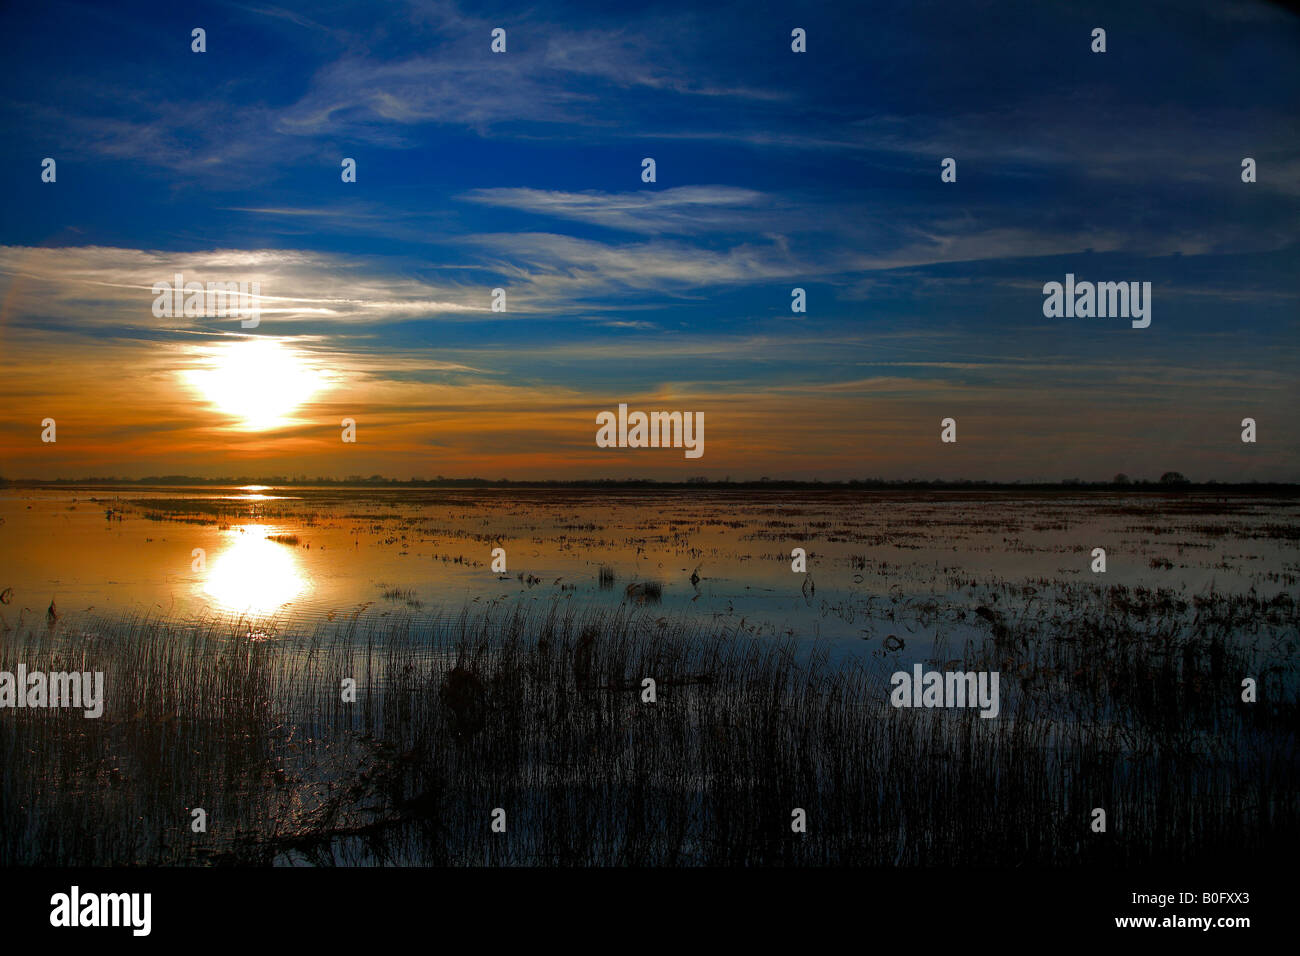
(254,575)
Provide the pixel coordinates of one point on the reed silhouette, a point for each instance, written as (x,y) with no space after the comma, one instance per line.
(1130,702)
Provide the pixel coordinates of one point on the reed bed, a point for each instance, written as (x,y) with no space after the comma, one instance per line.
(1122,703)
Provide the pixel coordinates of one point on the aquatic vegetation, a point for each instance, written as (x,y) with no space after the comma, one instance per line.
(540,710)
(1120,690)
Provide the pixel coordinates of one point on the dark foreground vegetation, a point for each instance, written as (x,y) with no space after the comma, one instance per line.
(1128,700)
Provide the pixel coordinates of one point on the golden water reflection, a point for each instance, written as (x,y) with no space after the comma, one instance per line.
(254,575)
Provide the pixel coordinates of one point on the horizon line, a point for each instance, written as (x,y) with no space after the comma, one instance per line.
(1170,481)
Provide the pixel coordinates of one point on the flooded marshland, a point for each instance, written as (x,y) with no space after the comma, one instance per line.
(525,691)
(283,558)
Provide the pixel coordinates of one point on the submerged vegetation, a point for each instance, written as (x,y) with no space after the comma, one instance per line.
(1125,699)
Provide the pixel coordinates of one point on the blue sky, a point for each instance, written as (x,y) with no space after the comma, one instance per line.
(774,170)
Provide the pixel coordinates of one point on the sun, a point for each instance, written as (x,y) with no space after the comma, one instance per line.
(260,382)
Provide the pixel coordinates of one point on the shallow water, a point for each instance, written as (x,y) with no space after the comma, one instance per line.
(878,561)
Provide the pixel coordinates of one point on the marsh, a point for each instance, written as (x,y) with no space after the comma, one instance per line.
(476,691)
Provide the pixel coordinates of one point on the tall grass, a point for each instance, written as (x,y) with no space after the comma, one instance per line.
(539,712)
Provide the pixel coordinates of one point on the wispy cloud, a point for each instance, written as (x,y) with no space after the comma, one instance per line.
(683,210)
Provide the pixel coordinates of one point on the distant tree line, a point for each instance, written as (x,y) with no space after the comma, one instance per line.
(1170,480)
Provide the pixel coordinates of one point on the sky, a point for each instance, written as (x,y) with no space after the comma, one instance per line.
(774,170)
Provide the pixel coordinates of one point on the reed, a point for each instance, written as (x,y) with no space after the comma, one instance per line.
(537,709)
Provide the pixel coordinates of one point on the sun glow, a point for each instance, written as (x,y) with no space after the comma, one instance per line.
(254,575)
(260,382)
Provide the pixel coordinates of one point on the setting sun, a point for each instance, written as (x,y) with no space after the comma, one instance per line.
(261,382)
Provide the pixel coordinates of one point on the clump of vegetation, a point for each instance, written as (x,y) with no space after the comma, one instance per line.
(645,592)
